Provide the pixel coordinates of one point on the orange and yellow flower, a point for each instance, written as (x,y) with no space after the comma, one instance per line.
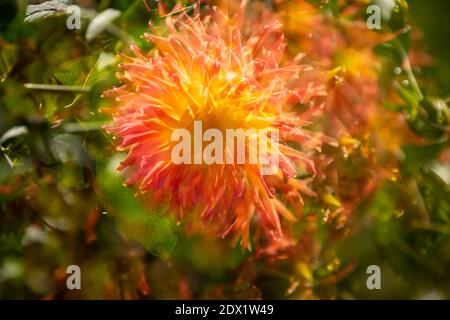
(206,69)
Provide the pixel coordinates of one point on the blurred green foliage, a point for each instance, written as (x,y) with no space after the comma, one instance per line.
(62,202)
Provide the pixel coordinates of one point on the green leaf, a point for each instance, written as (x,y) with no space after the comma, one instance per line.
(69,147)
(417,156)
(100,23)
(12,133)
(151,229)
(44,10)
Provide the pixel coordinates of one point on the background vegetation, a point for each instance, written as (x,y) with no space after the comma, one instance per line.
(62,201)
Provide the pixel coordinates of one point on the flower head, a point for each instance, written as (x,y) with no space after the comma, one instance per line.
(206,69)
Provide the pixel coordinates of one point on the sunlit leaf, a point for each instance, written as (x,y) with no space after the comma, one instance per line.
(13,132)
(45,9)
(101,22)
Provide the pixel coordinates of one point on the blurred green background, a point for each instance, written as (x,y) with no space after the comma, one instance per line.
(62,201)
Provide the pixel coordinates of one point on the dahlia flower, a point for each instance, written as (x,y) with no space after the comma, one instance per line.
(206,69)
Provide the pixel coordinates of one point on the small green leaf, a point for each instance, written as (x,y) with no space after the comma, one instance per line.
(69,147)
